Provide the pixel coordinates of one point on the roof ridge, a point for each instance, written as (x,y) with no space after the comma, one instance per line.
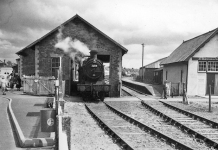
(198,48)
(199,35)
(186,50)
(64,23)
(155,61)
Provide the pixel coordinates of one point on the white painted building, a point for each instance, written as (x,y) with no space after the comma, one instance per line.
(6,71)
(194,62)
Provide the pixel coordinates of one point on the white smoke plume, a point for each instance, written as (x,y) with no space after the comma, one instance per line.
(74,48)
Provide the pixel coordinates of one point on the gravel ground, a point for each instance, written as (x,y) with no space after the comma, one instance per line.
(137,111)
(200,108)
(85,132)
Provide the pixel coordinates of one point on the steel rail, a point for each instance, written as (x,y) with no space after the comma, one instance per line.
(192,115)
(129,94)
(152,131)
(181,126)
(117,139)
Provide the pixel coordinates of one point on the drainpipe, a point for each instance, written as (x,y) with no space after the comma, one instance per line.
(142,61)
(187,79)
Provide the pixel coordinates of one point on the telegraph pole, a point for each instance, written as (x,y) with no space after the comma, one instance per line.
(142,61)
(143,54)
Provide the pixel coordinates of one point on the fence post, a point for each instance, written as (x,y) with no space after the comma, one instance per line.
(183,93)
(210,98)
(57,113)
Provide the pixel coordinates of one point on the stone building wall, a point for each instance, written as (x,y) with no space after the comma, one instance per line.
(76,29)
(28,63)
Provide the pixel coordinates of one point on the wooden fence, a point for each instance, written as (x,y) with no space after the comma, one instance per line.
(40,85)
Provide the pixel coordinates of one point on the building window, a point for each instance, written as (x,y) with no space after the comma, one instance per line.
(166,75)
(202,65)
(55,66)
(212,65)
(181,75)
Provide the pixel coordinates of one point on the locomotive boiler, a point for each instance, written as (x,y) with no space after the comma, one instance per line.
(91,85)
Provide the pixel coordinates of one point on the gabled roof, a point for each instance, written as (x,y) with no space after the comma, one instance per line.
(151,65)
(74,17)
(188,48)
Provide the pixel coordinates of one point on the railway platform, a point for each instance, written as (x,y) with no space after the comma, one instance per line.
(154,89)
(26,110)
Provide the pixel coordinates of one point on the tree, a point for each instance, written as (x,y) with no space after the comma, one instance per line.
(9,63)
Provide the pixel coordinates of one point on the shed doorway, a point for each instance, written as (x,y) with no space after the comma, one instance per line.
(212,79)
(106,62)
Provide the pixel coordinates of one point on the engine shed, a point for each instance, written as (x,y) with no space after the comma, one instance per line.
(42,58)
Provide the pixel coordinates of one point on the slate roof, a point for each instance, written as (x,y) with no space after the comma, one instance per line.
(188,48)
(76,16)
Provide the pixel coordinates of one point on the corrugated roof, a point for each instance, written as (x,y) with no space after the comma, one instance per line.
(188,48)
(159,60)
(76,16)
(151,65)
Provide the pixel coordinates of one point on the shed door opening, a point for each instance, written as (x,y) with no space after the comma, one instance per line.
(210,81)
(106,62)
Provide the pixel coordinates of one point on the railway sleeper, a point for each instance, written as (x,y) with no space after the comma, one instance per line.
(186,129)
(194,116)
(154,132)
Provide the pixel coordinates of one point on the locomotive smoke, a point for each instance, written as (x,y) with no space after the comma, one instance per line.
(74,48)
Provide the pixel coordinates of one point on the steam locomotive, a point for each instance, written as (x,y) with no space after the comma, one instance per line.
(92,85)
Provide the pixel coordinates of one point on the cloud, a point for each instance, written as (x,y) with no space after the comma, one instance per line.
(7,50)
(161,24)
(151,54)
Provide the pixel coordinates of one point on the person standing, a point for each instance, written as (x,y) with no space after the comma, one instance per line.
(4,84)
(165,90)
(185,99)
(18,83)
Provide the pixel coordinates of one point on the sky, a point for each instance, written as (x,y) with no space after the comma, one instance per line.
(161,25)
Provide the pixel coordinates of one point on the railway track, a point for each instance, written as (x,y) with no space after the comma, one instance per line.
(130,133)
(198,127)
(202,129)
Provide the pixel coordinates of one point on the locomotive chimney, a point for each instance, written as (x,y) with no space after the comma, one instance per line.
(93,50)
(93,54)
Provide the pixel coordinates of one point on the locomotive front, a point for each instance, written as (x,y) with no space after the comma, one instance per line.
(93,69)
(91,79)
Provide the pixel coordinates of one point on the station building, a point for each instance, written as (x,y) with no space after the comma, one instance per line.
(152,73)
(195,63)
(41,58)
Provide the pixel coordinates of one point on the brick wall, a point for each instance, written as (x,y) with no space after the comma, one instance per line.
(18,66)
(46,52)
(75,29)
(79,30)
(28,62)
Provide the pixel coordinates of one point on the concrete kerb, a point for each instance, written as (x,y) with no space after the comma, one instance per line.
(26,142)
